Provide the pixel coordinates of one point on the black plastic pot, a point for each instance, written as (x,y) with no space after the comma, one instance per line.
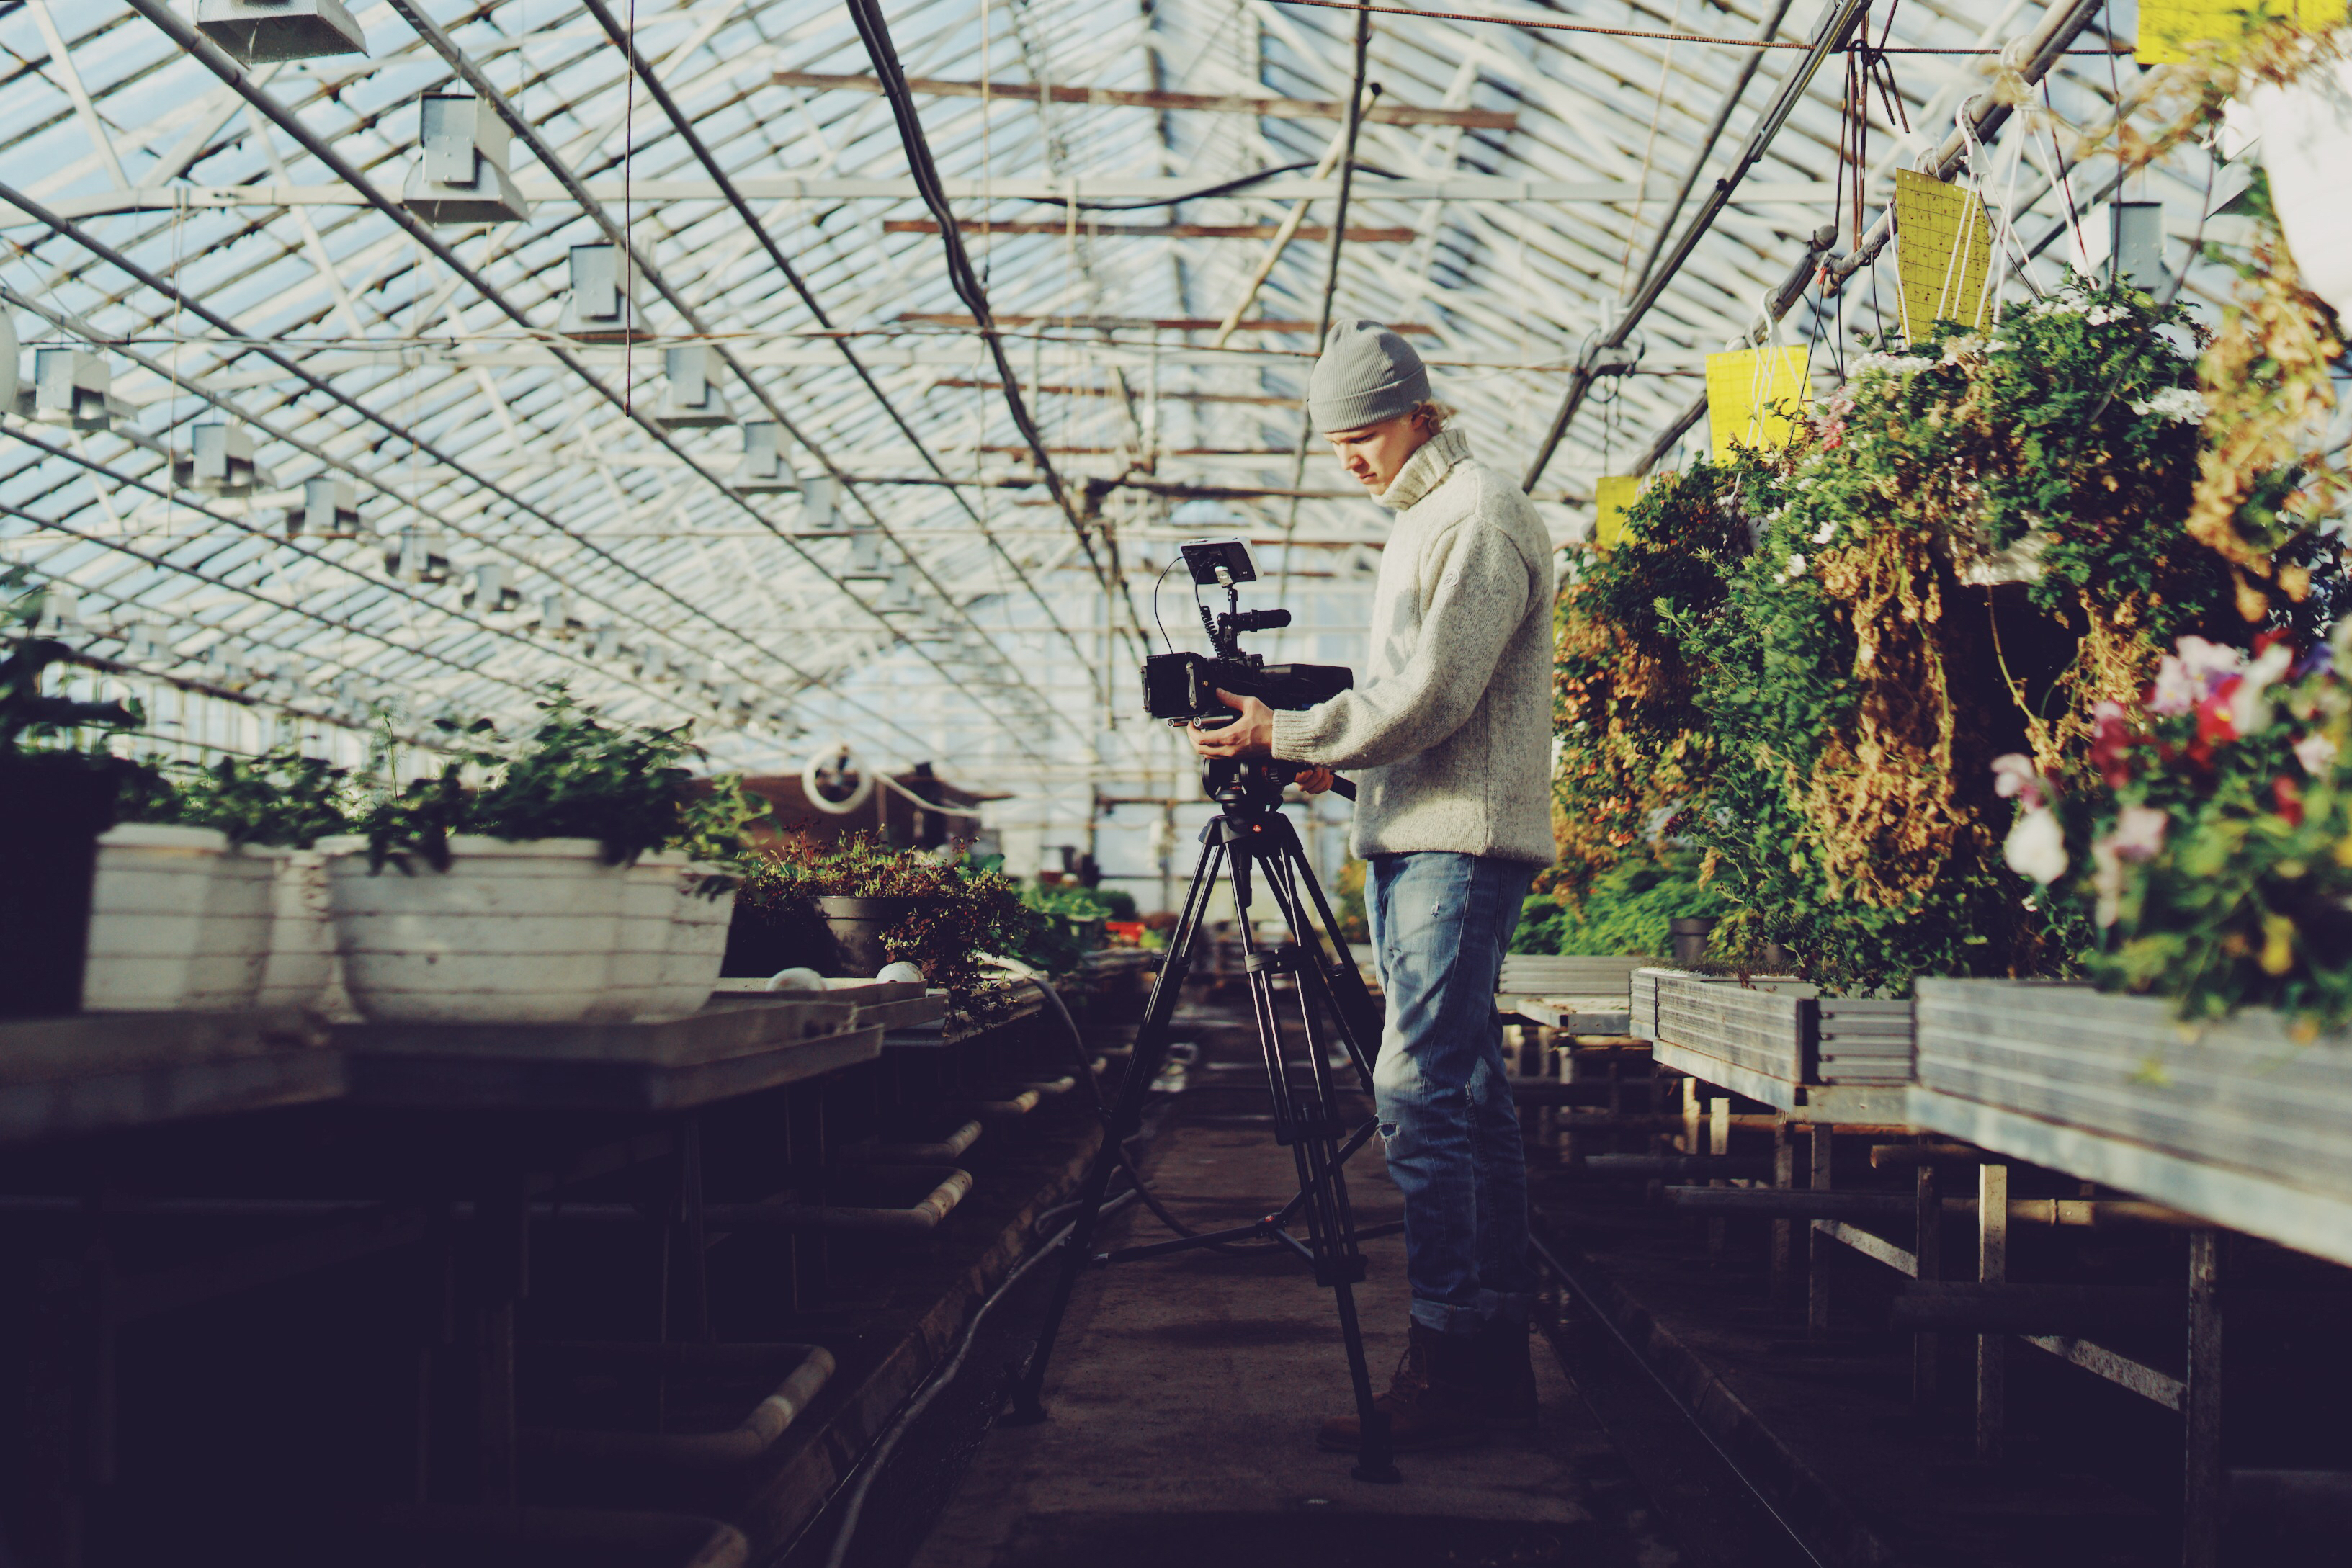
(859,926)
(52,809)
(1690,933)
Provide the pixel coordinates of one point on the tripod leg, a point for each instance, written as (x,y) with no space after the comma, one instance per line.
(1125,1115)
(1316,1148)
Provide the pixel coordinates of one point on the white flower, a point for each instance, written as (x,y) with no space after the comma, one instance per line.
(2183,679)
(1893,364)
(2102,315)
(2060,305)
(1792,569)
(1825,533)
(2107,881)
(2036,847)
(2250,708)
(2316,752)
(2184,405)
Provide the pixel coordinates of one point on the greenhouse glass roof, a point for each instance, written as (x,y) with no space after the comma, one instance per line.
(763,469)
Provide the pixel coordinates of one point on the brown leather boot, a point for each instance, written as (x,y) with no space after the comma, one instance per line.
(1505,1375)
(1433,1401)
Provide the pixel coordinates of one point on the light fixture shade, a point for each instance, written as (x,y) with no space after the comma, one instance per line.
(821,505)
(898,598)
(260,30)
(763,471)
(145,641)
(69,387)
(461,176)
(555,615)
(865,556)
(690,398)
(601,307)
(220,462)
(652,664)
(330,510)
(605,647)
(488,592)
(412,556)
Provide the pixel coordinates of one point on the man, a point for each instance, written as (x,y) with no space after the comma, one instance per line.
(1449,737)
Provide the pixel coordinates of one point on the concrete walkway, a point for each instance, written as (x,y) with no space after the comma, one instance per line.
(1186,1393)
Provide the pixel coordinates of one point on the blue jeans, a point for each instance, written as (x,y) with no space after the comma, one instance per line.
(1439,923)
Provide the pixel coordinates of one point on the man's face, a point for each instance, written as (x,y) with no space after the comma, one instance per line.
(1373,454)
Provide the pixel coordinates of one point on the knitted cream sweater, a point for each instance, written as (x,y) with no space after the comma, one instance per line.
(1449,736)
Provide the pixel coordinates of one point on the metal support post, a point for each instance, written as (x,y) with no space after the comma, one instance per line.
(1992,1269)
(1818,1249)
(1927,1251)
(1784,1231)
(2204,1494)
(1718,1144)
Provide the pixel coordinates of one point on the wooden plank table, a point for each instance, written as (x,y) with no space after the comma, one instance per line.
(720,1053)
(93,1072)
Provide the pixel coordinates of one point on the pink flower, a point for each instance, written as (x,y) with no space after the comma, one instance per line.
(2139,832)
(2014,778)
(2187,677)
(2111,743)
(2316,752)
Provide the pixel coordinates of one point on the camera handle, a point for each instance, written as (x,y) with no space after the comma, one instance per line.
(1344,788)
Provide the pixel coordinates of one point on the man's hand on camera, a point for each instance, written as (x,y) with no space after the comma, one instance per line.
(1251,735)
(1314,780)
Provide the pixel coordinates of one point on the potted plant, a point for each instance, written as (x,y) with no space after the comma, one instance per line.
(54,800)
(497,890)
(209,896)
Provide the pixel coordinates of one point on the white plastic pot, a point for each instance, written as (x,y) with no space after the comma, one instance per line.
(641,948)
(301,955)
(512,932)
(179,921)
(698,945)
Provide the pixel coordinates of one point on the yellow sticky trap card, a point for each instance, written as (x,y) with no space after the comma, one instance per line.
(1754,396)
(2169,27)
(1943,251)
(1610,498)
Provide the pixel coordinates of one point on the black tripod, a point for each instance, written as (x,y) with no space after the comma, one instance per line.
(1252,832)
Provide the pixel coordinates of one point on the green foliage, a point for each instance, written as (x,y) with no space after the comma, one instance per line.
(1625,909)
(280,797)
(2208,833)
(26,714)
(1803,662)
(1069,920)
(575,777)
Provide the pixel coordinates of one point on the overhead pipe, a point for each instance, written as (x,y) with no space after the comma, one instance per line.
(66,228)
(2059,30)
(220,65)
(727,188)
(461,62)
(1837,20)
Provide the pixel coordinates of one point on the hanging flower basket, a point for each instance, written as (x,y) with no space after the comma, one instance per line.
(179,921)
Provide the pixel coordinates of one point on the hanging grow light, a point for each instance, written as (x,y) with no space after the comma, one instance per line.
(601,307)
(690,400)
(606,647)
(865,556)
(489,593)
(10,361)
(555,616)
(330,510)
(256,31)
(763,471)
(652,664)
(227,667)
(461,168)
(220,463)
(821,505)
(69,387)
(60,611)
(411,556)
(145,642)
(898,598)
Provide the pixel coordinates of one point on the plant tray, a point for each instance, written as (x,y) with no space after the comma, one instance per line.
(2234,1121)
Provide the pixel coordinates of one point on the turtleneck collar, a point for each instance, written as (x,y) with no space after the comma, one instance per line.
(1426,468)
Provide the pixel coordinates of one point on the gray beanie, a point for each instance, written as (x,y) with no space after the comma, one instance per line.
(1367,374)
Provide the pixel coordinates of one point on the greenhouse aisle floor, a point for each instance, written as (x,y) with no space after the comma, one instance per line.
(1187,1390)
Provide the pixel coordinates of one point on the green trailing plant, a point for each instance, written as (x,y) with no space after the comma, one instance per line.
(574,776)
(30,720)
(1803,662)
(279,797)
(1625,909)
(1068,917)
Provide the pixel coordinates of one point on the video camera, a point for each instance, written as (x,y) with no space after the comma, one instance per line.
(1182,688)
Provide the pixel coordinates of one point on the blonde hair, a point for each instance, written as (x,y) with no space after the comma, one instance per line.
(1436,415)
